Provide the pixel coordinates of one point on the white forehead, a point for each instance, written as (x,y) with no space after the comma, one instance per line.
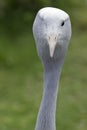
(49,12)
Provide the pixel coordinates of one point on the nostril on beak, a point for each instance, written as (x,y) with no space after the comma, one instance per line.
(55,38)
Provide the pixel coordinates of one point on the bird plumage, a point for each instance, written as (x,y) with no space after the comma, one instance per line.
(52,33)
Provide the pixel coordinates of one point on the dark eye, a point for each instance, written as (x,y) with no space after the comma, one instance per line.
(62,24)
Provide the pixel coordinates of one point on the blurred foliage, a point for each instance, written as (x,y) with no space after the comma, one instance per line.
(34,5)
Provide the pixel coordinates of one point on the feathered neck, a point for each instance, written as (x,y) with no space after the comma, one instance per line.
(46,116)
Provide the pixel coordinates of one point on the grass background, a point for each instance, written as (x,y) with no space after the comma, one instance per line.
(21,80)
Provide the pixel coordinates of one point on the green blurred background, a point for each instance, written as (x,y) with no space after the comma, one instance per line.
(21,72)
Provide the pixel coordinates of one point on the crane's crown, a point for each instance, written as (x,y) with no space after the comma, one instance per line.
(52,32)
(48,12)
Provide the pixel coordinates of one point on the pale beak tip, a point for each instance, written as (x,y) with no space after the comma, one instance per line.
(51,54)
(52,50)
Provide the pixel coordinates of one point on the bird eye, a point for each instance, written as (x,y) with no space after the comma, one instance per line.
(62,24)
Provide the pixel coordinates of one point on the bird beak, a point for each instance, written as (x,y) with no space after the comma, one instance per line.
(52,40)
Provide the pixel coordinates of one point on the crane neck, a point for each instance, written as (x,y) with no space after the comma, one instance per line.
(46,116)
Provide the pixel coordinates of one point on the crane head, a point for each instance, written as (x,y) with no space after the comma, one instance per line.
(52,33)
